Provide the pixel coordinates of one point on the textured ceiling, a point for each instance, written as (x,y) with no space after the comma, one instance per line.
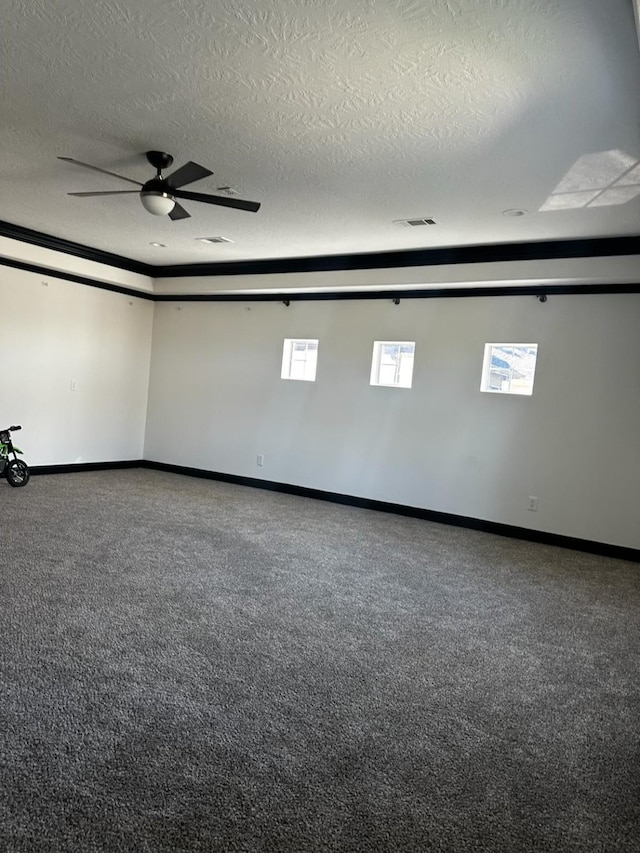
(339,116)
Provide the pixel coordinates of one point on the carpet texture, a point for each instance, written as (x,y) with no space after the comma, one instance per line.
(188,665)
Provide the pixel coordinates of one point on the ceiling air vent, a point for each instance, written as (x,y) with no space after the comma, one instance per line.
(214,240)
(413,223)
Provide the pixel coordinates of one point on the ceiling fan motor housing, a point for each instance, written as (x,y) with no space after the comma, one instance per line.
(155,198)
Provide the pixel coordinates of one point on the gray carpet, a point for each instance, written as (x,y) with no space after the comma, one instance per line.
(195,666)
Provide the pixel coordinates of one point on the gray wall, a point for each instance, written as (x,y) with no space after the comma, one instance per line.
(55,333)
(216,400)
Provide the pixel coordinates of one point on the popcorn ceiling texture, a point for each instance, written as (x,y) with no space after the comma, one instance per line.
(338,116)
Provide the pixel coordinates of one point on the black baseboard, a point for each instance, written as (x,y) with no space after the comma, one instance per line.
(542,537)
(76,467)
(589,546)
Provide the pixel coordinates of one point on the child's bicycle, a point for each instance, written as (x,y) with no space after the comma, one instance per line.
(15,470)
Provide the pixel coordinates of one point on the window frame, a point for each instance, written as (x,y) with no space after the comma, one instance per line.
(288,349)
(376,364)
(485,381)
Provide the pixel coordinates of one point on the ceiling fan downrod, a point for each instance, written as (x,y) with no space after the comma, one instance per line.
(159,160)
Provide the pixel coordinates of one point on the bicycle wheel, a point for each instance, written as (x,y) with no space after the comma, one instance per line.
(17,473)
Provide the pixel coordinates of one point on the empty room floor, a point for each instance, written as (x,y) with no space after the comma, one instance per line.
(188,665)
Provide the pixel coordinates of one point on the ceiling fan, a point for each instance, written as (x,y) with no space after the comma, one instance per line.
(159,194)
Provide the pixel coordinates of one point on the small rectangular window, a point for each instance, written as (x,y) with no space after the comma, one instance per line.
(509,368)
(299,359)
(392,363)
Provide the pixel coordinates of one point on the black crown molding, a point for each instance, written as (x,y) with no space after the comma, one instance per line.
(552,249)
(67,247)
(541,291)
(47,272)
(543,250)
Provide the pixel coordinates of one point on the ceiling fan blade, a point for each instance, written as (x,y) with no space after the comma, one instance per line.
(179,212)
(98,169)
(224,201)
(112,192)
(187,174)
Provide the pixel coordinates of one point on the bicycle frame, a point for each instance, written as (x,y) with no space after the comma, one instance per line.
(7,449)
(15,471)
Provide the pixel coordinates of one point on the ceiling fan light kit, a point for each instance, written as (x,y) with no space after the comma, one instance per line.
(156,201)
(154,195)
(158,195)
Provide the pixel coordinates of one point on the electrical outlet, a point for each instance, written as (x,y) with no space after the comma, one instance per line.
(260,459)
(532,503)
(74,385)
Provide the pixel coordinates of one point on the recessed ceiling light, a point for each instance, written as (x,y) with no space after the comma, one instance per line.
(158,245)
(214,240)
(514,211)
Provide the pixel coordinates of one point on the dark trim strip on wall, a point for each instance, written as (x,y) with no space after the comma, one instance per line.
(492,253)
(421,293)
(603,549)
(597,247)
(284,296)
(542,537)
(47,272)
(540,250)
(68,247)
(79,467)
